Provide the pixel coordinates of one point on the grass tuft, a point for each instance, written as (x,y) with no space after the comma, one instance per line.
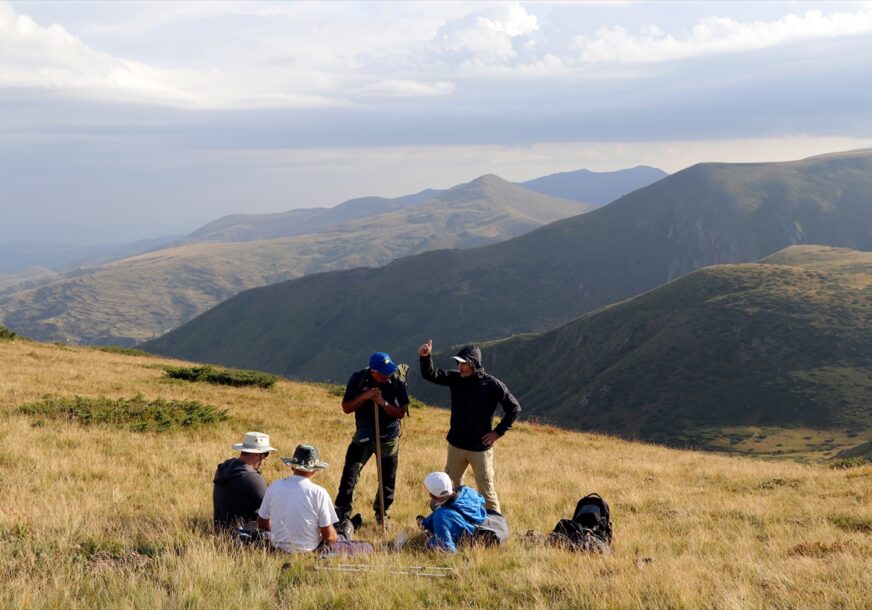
(232,377)
(136,414)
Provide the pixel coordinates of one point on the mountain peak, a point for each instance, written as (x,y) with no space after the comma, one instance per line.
(485,180)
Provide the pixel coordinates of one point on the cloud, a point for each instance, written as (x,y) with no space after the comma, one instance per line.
(487,36)
(718,35)
(409,88)
(40,57)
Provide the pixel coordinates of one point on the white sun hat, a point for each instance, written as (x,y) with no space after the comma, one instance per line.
(254,442)
(439,484)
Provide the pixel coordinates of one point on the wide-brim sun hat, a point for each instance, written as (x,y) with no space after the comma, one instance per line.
(306,458)
(254,442)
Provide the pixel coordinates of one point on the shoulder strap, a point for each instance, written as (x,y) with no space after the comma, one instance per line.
(400,376)
(362,381)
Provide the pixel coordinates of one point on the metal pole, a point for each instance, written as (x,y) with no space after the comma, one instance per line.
(378,461)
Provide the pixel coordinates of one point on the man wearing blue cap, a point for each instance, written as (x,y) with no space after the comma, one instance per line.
(377,388)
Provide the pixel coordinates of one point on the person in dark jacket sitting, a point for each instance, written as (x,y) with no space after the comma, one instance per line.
(474,399)
(456,512)
(238,486)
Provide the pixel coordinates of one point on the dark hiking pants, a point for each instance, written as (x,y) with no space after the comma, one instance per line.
(356,457)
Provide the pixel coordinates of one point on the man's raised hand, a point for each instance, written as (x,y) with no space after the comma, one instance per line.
(426,349)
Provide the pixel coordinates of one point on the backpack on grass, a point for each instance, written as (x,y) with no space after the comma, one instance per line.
(589,530)
(493,531)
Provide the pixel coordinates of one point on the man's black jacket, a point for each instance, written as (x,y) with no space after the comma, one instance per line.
(474,400)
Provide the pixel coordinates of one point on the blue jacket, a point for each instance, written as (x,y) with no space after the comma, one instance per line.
(450,522)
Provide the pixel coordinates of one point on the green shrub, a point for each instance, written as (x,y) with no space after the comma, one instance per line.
(231,377)
(6,334)
(851,523)
(127,351)
(136,414)
(846,463)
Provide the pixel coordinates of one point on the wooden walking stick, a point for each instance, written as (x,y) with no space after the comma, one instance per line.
(378,461)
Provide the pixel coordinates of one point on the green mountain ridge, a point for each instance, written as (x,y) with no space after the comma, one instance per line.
(782,343)
(321,326)
(131,300)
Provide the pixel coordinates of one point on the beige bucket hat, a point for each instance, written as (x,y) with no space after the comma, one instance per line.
(254,442)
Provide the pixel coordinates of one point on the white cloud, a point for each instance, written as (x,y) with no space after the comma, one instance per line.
(262,55)
(487,35)
(40,57)
(409,88)
(51,58)
(714,35)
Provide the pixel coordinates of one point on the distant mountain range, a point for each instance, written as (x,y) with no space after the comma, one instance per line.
(130,300)
(598,188)
(785,343)
(322,326)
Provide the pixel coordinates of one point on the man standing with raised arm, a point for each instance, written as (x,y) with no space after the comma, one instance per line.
(474,399)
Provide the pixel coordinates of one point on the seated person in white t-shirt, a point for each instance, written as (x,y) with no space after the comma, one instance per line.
(299,514)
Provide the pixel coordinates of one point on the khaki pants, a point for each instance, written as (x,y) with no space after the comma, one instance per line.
(482,463)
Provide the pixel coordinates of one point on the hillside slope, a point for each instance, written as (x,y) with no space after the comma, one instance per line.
(716,359)
(319,327)
(107,517)
(141,297)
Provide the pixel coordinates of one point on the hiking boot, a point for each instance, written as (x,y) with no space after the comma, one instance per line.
(378,520)
(357,521)
(345,528)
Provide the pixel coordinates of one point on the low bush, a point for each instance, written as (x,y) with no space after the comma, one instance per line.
(127,351)
(846,463)
(231,377)
(852,523)
(6,334)
(136,414)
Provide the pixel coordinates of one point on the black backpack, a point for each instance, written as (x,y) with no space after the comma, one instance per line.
(590,528)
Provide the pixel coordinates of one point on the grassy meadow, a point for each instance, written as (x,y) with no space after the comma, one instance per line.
(108,517)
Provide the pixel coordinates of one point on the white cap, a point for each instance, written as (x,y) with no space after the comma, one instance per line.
(438,484)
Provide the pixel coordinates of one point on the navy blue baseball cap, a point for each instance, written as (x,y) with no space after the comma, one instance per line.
(382,363)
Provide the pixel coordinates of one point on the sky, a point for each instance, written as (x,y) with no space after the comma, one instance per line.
(149,118)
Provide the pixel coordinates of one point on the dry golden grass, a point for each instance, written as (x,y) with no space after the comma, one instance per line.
(101,517)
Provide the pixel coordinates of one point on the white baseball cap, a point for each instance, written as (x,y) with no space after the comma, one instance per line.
(439,484)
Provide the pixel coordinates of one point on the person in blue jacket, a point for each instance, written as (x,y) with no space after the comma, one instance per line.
(456,513)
